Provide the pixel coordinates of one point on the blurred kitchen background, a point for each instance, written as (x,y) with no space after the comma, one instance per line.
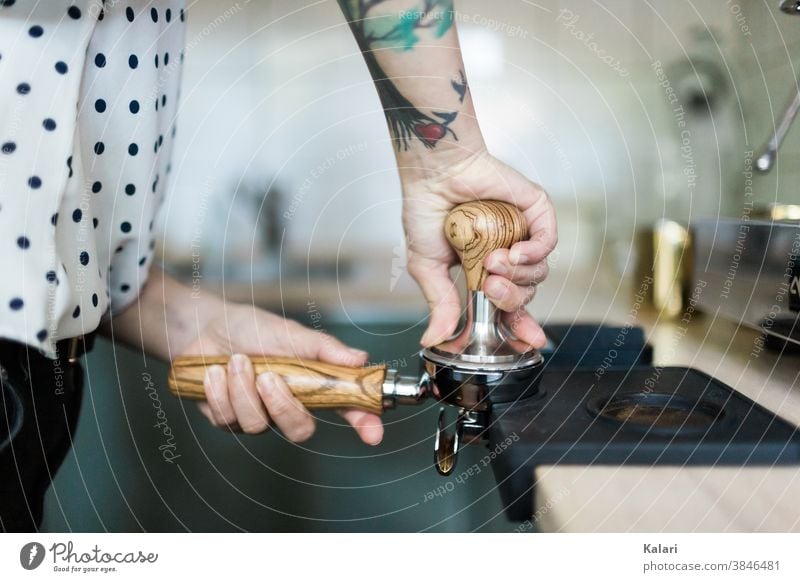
(284,193)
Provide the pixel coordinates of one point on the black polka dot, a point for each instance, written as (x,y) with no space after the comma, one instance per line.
(166,59)
(99,148)
(77,214)
(100,60)
(94,299)
(133,106)
(102,15)
(154,14)
(163,100)
(125,226)
(142,261)
(49,124)
(130,189)
(7,3)
(124,287)
(23,242)
(133,61)
(23,88)
(84,258)
(129,14)
(168,15)
(50,276)
(100,105)
(77,312)
(9,147)
(133,149)
(35,182)
(183,17)
(16,303)
(36,31)
(54,219)
(118,250)
(155,60)
(74,12)
(160,140)
(61,67)
(41,335)
(96,187)
(95,222)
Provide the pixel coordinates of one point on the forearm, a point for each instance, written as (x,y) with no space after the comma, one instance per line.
(164,319)
(411,49)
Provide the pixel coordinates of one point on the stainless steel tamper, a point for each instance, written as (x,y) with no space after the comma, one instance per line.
(483,364)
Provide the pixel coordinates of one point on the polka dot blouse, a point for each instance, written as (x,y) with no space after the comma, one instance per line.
(88,93)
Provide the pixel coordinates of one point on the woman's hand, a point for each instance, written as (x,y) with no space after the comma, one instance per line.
(513,273)
(237,400)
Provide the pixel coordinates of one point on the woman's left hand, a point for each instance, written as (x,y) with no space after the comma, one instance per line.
(237,400)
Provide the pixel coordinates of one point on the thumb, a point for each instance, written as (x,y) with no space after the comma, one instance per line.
(442,297)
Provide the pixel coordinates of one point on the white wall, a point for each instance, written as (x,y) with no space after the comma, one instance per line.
(273,89)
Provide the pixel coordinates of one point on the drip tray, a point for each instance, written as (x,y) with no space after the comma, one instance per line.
(660,412)
(631,416)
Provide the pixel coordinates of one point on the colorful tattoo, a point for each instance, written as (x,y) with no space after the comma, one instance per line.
(399,31)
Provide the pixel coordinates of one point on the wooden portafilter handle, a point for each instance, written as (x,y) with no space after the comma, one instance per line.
(475,229)
(315,384)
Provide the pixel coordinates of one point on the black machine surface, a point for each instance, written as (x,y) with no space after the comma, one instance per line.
(630,413)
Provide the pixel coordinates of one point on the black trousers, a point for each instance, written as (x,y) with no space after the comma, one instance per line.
(40,400)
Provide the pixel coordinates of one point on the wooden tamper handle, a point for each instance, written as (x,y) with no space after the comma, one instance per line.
(475,229)
(314,384)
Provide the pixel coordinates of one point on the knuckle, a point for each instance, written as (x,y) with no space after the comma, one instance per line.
(280,406)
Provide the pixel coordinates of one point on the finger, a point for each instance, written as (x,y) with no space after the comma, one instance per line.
(525,328)
(505,295)
(286,411)
(205,410)
(316,345)
(497,263)
(367,425)
(443,301)
(216,387)
(535,250)
(244,398)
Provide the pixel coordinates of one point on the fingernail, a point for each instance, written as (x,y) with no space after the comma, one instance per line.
(216,374)
(425,338)
(496,290)
(239,363)
(265,382)
(516,257)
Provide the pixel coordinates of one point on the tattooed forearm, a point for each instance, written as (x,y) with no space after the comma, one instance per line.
(399,32)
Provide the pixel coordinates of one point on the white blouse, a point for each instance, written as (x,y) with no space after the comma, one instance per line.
(88,94)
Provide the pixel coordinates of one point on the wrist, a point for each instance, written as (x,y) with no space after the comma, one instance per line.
(421,164)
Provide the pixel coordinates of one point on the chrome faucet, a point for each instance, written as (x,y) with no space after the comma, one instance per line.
(766,159)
